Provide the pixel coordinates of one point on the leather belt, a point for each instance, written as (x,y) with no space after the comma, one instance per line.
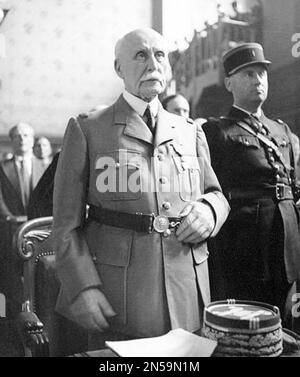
(138,222)
(278,192)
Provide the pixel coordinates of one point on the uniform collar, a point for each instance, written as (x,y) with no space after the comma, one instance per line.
(139,105)
(241,114)
(257,114)
(136,128)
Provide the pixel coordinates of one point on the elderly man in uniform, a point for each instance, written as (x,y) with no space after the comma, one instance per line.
(253,159)
(136,265)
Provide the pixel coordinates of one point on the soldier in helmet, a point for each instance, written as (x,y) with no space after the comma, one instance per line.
(253,159)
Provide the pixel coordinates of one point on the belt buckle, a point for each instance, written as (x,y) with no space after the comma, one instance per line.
(280,191)
(161,223)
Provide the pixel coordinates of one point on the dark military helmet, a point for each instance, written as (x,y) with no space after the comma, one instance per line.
(242,56)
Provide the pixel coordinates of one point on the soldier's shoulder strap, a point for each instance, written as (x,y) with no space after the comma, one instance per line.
(220,121)
(213,120)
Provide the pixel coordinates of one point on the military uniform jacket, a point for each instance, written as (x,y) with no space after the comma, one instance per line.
(243,163)
(152,282)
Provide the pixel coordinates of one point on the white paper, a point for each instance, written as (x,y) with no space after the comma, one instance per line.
(176,343)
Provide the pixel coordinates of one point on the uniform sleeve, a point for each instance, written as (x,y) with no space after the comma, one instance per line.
(202,142)
(75,267)
(214,140)
(212,190)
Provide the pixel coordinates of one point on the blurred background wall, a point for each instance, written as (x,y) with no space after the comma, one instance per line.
(59,58)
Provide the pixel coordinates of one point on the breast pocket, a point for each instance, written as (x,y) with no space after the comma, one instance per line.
(188,177)
(118,175)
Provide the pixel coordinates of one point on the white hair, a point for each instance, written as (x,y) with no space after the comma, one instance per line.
(20,124)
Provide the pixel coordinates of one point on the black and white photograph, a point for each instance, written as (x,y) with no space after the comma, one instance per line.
(149,181)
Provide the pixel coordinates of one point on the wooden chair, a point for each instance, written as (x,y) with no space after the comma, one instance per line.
(43,331)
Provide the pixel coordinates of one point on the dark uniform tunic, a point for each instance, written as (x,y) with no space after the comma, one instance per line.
(259,245)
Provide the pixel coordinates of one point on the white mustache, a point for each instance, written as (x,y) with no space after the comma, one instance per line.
(152,77)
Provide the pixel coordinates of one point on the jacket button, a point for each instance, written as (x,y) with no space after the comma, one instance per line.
(278,177)
(277,167)
(272,159)
(167,233)
(166,205)
(117,165)
(163,180)
(161,157)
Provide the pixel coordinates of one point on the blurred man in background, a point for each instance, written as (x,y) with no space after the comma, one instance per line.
(177,104)
(18,177)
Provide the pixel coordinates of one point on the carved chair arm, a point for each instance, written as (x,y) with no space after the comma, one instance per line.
(29,234)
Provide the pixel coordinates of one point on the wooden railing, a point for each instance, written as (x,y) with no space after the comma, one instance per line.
(207,46)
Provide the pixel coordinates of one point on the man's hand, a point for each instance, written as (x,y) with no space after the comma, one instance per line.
(90,310)
(198,223)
